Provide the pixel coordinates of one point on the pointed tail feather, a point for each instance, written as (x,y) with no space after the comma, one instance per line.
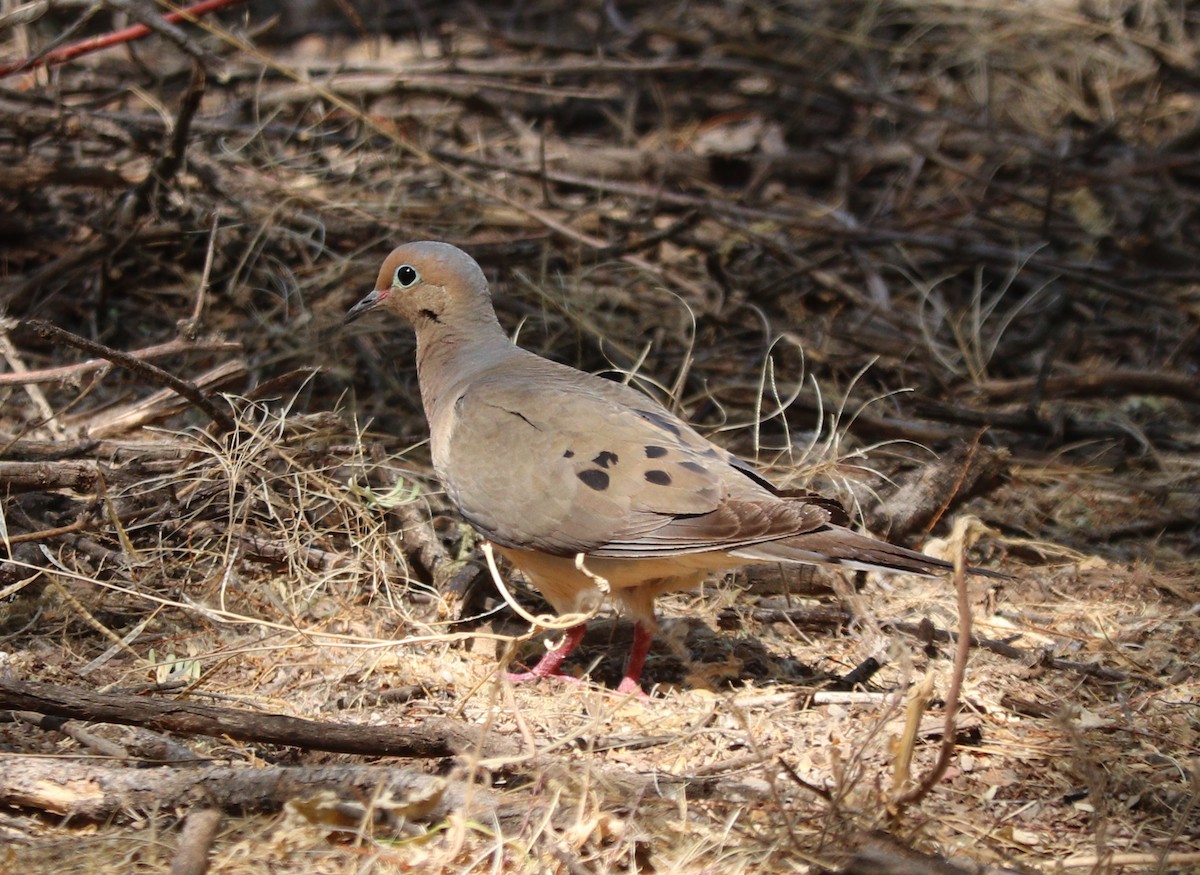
(834,545)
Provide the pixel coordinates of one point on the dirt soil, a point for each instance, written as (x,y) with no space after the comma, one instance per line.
(938,260)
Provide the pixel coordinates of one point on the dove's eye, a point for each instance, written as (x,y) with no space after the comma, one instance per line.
(405,276)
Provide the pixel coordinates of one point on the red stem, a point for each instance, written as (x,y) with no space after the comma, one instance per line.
(129,34)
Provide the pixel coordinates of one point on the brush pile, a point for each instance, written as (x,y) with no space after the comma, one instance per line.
(939,259)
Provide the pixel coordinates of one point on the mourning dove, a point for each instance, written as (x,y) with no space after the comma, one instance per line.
(574,477)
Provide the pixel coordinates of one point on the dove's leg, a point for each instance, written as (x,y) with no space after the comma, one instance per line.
(637,659)
(550,665)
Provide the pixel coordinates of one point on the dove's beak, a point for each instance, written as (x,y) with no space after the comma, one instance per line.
(370,302)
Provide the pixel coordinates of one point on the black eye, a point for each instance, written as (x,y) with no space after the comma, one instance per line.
(405,276)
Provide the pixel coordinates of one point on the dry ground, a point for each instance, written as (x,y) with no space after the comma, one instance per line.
(858,242)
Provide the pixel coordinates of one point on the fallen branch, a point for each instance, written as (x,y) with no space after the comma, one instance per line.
(432,738)
(161,350)
(41,476)
(166,454)
(145,369)
(1066,428)
(1094,384)
(94,792)
(927,633)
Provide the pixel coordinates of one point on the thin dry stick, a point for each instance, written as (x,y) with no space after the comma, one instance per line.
(964,469)
(961,653)
(66,372)
(19,371)
(189,328)
(159,24)
(46,534)
(171,159)
(145,369)
(90,619)
(73,729)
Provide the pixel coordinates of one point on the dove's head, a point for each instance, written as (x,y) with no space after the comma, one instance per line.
(426,281)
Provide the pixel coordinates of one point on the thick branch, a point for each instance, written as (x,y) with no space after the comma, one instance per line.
(40,476)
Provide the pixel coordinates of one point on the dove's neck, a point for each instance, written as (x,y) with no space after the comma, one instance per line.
(453,348)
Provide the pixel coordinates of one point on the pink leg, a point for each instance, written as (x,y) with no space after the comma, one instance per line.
(637,660)
(550,665)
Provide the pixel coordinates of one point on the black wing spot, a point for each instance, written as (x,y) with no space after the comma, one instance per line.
(653,452)
(693,466)
(659,478)
(569,454)
(594,479)
(604,459)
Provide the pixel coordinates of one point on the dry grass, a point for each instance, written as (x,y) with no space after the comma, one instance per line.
(830,233)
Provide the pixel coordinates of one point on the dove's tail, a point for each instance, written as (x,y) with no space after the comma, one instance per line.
(834,545)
